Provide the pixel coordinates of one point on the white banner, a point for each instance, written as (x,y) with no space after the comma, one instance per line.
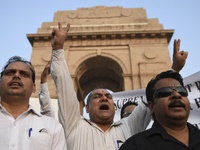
(192,84)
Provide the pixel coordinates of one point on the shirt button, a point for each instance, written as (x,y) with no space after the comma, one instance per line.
(14,124)
(13,145)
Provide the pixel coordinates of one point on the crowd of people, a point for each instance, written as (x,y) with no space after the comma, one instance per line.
(22,128)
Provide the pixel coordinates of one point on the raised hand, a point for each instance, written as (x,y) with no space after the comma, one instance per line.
(179,57)
(45,73)
(58,36)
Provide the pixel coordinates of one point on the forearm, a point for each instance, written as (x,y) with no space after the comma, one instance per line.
(139,118)
(45,101)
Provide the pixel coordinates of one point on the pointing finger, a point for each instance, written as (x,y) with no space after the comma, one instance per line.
(176,45)
(53,33)
(55,30)
(67,27)
(60,26)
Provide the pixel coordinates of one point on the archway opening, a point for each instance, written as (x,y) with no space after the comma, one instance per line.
(99,72)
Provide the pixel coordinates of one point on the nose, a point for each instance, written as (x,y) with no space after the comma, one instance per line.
(104,98)
(175,95)
(16,75)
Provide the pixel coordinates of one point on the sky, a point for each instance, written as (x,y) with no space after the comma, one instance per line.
(22,17)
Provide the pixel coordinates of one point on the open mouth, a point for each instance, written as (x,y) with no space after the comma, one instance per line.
(15,84)
(176,104)
(104,107)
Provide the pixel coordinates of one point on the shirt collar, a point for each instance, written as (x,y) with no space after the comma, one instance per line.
(29,110)
(92,123)
(95,125)
(194,133)
(157,129)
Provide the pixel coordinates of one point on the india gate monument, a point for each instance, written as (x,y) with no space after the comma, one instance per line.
(113,47)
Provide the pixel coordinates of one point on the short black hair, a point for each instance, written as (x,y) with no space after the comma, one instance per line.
(18,58)
(90,94)
(125,105)
(150,89)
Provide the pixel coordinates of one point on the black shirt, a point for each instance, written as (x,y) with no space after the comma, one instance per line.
(157,138)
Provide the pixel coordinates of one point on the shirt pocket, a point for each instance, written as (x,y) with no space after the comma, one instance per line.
(37,141)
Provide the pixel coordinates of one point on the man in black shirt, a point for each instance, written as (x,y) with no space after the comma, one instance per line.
(170,107)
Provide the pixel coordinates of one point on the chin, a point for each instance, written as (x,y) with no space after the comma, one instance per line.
(180,117)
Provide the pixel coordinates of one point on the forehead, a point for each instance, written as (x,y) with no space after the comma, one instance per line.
(101,91)
(166,82)
(18,65)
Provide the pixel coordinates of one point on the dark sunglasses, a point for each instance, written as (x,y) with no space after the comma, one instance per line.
(167,91)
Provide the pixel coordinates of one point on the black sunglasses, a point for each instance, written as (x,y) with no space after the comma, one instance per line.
(167,91)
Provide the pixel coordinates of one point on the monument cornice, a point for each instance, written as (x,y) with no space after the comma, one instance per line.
(93,35)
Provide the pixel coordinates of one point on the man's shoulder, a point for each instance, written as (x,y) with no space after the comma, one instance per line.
(139,136)
(143,134)
(48,119)
(132,142)
(193,129)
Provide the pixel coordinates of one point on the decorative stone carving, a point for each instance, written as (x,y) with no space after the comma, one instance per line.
(126,12)
(73,15)
(149,54)
(46,56)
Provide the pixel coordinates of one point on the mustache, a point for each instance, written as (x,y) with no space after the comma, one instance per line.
(176,102)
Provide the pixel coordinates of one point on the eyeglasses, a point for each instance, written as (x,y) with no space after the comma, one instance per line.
(126,114)
(167,91)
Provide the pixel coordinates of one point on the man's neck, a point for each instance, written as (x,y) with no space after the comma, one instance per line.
(181,132)
(15,106)
(104,127)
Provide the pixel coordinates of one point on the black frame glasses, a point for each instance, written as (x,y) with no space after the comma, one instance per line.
(167,91)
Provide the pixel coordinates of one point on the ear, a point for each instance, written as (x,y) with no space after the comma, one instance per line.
(34,88)
(150,105)
(87,108)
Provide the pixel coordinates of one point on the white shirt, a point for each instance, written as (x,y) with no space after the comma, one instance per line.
(30,131)
(83,134)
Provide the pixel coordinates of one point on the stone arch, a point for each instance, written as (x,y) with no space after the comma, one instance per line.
(99,71)
(104,54)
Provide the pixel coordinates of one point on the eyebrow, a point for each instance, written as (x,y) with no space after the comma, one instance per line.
(102,94)
(21,71)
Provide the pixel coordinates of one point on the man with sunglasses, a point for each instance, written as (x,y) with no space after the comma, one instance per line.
(170,107)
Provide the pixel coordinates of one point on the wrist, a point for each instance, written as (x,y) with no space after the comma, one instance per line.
(56,47)
(172,69)
(175,68)
(43,80)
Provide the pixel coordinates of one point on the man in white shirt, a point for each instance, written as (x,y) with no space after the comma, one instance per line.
(100,132)
(21,127)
